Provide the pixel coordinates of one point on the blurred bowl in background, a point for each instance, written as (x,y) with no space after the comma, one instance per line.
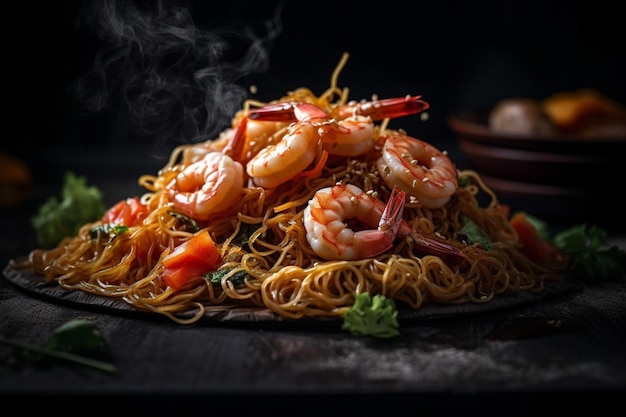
(558,177)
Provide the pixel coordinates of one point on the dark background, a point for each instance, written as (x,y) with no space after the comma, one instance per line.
(172,66)
(137,64)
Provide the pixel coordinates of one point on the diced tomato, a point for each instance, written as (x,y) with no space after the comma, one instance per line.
(129,212)
(506,209)
(190,259)
(532,245)
(177,278)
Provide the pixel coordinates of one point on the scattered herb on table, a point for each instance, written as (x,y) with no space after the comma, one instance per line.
(78,341)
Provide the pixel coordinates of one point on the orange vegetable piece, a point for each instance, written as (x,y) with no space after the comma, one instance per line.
(129,212)
(190,259)
(532,245)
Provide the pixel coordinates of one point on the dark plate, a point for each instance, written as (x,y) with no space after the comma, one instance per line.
(34,284)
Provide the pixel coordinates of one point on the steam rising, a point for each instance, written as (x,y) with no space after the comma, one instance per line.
(174,81)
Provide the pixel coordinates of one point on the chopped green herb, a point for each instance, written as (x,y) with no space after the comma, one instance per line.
(58,218)
(243,236)
(464,181)
(110,230)
(592,257)
(188,222)
(77,341)
(216,277)
(372,316)
(78,335)
(474,234)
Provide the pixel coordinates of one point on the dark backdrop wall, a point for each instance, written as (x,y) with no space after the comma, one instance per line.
(82,73)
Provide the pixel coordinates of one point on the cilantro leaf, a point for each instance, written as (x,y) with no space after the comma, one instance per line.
(215,277)
(110,230)
(77,341)
(474,234)
(592,257)
(78,335)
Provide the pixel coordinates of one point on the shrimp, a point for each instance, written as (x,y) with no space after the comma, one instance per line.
(207,186)
(352,136)
(198,151)
(352,133)
(331,238)
(329,235)
(418,168)
(276,164)
(389,108)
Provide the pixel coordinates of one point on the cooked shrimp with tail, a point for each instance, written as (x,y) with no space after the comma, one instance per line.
(210,184)
(328,214)
(349,131)
(418,168)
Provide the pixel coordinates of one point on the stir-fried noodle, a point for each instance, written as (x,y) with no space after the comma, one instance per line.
(261,231)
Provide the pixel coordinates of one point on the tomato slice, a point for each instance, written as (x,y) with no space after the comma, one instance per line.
(532,245)
(190,259)
(129,212)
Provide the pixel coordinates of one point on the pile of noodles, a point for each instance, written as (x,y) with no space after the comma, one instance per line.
(262,238)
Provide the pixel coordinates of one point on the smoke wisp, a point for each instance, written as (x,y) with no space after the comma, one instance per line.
(168,78)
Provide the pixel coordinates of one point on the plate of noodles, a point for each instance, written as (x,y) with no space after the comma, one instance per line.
(300,205)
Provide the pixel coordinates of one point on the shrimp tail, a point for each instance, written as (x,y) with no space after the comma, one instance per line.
(373,243)
(391,221)
(287,112)
(450,254)
(390,108)
(391,218)
(234,147)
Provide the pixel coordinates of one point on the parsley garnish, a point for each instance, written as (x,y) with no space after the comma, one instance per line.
(372,316)
(58,218)
(592,257)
